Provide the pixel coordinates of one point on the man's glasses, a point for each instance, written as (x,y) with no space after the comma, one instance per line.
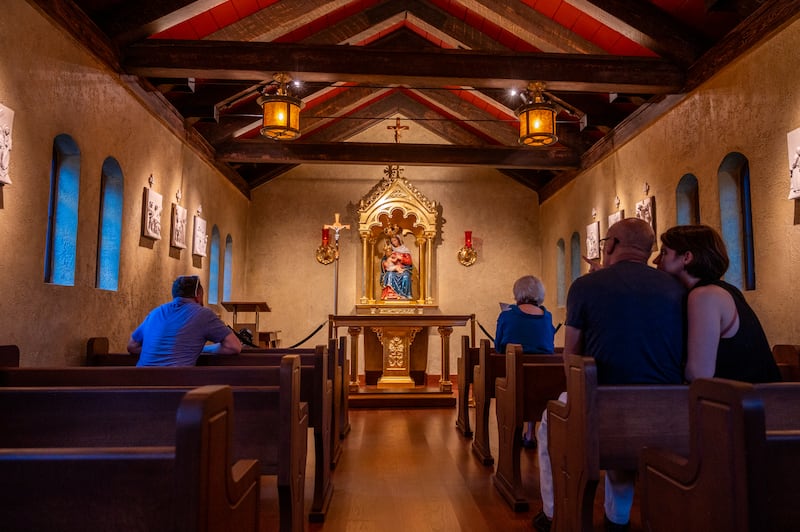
(604,240)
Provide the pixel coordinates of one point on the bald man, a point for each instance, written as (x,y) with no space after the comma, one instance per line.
(629,318)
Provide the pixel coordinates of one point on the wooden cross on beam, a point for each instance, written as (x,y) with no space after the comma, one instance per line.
(397,127)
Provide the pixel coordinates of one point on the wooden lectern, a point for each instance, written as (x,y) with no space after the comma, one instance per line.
(263,339)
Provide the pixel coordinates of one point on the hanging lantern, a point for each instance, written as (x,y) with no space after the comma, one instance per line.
(537,118)
(281,111)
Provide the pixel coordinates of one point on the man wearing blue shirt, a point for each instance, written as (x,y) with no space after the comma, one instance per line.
(175,333)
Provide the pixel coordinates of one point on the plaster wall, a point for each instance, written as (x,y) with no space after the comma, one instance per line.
(55,87)
(748,108)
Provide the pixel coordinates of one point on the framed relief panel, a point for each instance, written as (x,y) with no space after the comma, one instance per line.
(646,210)
(793,142)
(178,237)
(6,126)
(200,237)
(151,214)
(616,217)
(593,240)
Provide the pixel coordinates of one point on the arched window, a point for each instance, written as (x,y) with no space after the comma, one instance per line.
(575,256)
(561,281)
(110,228)
(687,201)
(228,272)
(737,220)
(62,214)
(213,268)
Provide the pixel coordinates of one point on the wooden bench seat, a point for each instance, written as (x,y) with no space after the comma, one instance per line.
(491,366)
(742,469)
(606,427)
(114,459)
(277,438)
(530,381)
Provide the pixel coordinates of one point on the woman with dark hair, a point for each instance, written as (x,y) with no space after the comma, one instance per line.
(725,338)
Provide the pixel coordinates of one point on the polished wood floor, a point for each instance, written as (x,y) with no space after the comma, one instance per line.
(410,470)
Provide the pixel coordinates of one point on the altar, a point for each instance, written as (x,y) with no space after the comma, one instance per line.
(396,335)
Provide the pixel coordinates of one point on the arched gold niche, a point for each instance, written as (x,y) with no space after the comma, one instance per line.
(394,202)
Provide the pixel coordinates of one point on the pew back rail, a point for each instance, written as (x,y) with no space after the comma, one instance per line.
(54,485)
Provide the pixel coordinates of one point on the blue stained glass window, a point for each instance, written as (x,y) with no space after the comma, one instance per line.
(110,228)
(62,215)
(228,272)
(213,267)
(561,281)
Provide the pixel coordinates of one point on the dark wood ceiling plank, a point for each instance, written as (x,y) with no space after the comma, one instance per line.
(259,61)
(644,23)
(258,151)
(531,26)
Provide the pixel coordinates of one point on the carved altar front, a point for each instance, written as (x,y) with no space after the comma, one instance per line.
(397,333)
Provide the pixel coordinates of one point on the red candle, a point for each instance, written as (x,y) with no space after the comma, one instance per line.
(326,235)
(468,239)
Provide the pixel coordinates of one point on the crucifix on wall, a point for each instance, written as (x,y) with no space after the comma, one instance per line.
(397,127)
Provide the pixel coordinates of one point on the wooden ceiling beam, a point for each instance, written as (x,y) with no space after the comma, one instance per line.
(318,63)
(261,151)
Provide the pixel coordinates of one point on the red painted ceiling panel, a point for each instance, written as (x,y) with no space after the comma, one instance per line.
(566,15)
(224,14)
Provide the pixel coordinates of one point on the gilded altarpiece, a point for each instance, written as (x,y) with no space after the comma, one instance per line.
(394,216)
(397,226)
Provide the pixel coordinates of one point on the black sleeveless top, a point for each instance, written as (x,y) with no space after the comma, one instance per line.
(746,356)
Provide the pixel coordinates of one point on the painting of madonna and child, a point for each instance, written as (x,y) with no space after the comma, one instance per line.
(397,269)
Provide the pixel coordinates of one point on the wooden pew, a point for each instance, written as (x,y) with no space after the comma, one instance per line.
(344,364)
(491,366)
(277,440)
(466,366)
(530,382)
(605,427)
(743,466)
(317,391)
(788,359)
(9,356)
(336,349)
(120,459)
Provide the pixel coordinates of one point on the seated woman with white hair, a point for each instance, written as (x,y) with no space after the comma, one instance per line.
(529,324)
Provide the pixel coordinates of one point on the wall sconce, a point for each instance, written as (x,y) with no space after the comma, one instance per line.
(281,110)
(537,117)
(326,253)
(467,255)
